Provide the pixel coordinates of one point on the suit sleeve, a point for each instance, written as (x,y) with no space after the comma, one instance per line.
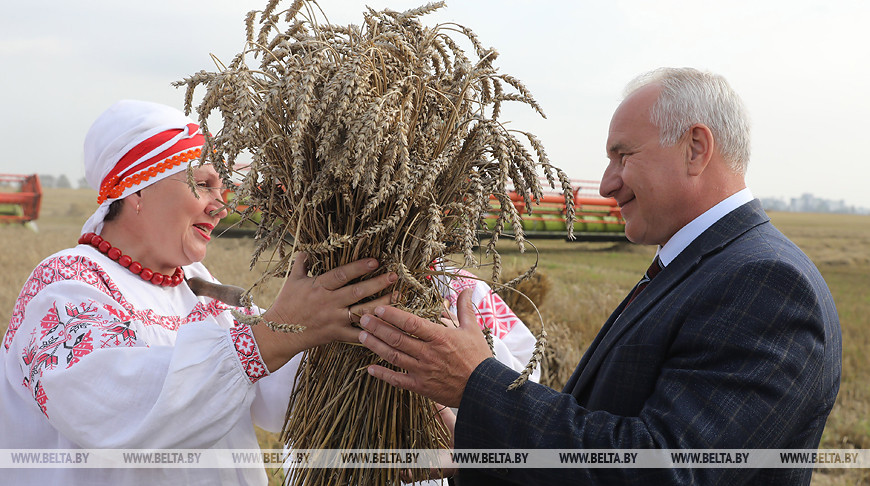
(743,368)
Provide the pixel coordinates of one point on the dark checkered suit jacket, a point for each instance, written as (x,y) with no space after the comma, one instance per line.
(734,345)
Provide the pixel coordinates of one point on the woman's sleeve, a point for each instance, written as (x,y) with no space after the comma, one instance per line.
(273,396)
(88,367)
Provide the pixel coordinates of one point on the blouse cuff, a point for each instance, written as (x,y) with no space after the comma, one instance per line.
(249,354)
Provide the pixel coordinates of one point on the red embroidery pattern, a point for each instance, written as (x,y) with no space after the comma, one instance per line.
(41,399)
(459,284)
(492,311)
(172,323)
(66,267)
(249,354)
(69,335)
(82,269)
(72,336)
(83,346)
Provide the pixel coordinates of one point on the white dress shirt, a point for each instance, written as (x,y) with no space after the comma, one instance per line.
(688,233)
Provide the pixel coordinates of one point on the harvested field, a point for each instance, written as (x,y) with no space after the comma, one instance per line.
(586,280)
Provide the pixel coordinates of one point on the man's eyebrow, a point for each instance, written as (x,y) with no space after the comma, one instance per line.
(615,148)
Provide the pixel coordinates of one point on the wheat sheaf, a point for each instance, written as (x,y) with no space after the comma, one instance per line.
(375,140)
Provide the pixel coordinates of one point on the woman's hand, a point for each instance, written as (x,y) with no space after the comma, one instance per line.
(326,305)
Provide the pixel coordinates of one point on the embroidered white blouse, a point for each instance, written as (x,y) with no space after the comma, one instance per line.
(95,357)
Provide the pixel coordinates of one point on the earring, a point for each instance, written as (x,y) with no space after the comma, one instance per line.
(137,209)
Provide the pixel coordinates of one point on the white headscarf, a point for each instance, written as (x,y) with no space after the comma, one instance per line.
(143,136)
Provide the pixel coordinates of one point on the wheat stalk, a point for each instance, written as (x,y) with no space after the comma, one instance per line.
(378,140)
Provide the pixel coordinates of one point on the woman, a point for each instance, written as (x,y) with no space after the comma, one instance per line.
(108,347)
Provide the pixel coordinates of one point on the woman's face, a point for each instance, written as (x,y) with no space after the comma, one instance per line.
(177,225)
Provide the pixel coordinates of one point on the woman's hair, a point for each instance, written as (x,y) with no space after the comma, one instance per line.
(114,210)
(690,96)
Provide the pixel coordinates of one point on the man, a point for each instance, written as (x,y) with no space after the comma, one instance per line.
(734,343)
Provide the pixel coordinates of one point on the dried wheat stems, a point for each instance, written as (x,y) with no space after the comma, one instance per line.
(380,139)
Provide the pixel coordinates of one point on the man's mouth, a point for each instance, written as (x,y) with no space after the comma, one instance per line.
(623,203)
(622,206)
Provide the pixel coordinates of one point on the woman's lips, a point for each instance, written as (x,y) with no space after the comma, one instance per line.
(204,229)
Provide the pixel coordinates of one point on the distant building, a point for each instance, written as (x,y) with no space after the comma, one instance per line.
(807,203)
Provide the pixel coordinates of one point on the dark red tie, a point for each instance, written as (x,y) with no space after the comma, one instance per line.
(654,268)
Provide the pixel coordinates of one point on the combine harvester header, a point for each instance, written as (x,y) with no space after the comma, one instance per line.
(20,198)
(596,218)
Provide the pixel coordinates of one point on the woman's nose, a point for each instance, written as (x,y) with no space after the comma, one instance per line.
(217,206)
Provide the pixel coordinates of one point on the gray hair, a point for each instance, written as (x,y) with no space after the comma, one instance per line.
(690,96)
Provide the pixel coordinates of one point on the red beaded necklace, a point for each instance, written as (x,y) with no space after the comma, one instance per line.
(125,261)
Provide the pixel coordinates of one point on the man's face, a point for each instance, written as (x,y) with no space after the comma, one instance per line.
(647,180)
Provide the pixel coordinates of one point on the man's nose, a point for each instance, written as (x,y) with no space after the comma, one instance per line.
(611,181)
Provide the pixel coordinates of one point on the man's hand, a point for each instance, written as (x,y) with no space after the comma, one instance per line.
(327,305)
(438,359)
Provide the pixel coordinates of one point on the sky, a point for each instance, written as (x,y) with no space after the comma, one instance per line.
(801,67)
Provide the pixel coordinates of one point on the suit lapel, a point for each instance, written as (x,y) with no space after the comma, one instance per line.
(624,317)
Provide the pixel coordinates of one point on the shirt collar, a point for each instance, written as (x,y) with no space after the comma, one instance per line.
(688,233)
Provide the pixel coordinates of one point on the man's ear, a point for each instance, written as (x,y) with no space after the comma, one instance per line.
(699,149)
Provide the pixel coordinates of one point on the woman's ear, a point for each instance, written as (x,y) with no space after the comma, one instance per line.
(134,201)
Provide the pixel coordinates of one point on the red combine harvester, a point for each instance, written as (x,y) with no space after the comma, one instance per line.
(20,198)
